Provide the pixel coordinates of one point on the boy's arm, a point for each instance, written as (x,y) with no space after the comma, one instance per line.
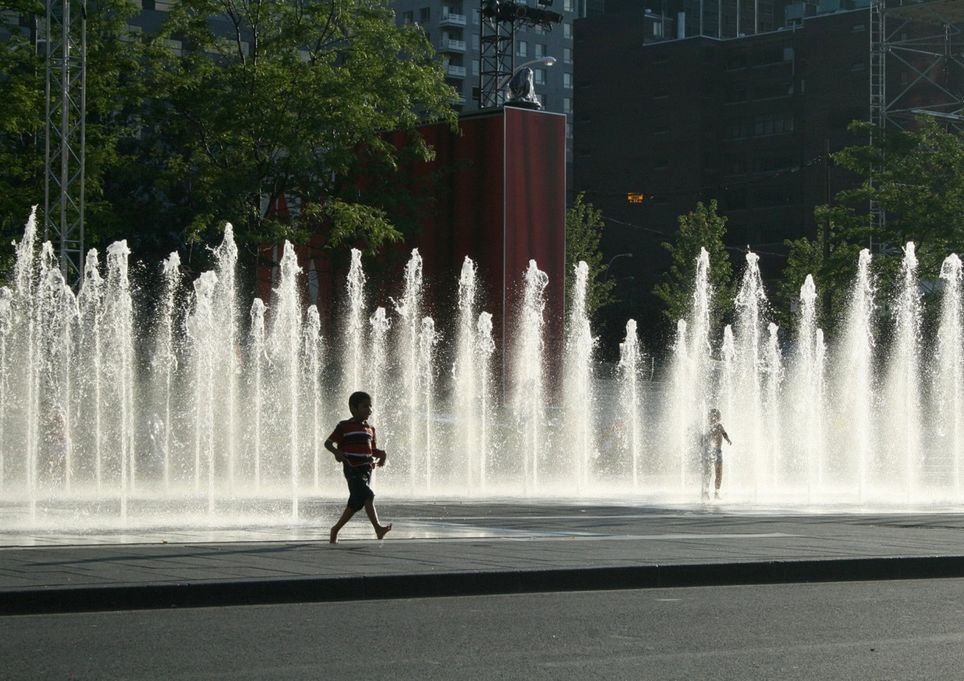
(725,436)
(378,454)
(332,447)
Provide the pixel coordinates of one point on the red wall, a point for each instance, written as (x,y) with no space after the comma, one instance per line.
(499,197)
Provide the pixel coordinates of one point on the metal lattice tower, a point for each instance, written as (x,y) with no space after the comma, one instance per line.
(878,85)
(496,42)
(920,44)
(66,89)
(916,65)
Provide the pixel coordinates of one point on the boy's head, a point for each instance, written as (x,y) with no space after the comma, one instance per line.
(359,401)
(714,415)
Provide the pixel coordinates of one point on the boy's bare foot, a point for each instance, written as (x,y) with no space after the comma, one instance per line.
(383,530)
(333,537)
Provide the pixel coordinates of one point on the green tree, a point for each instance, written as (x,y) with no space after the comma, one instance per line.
(112,61)
(917,177)
(703,227)
(21,120)
(271,100)
(584,225)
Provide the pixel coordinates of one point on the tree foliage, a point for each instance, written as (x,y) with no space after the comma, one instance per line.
(271,100)
(917,177)
(21,122)
(584,225)
(703,227)
(232,106)
(112,57)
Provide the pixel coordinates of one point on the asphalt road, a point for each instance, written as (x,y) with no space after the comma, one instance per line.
(855,630)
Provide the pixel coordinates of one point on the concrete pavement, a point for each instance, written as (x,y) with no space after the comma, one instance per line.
(461,548)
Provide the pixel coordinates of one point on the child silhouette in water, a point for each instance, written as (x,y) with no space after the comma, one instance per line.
(353,444)
(713,453)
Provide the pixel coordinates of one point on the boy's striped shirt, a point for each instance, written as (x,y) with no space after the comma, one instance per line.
(356,442)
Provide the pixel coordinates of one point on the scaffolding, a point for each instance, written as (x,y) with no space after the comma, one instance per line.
(916,68)
(496,42)
(916,61)
(65,45)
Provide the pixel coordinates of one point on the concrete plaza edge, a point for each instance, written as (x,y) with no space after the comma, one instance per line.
(227,592)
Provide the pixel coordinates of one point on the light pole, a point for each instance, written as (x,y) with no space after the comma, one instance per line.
(618,255)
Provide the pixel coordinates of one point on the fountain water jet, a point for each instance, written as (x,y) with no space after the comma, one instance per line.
(630,396)
(528,394)
(578,390)
(811,437)
(948,370)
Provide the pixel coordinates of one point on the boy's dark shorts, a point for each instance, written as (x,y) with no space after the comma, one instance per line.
(358,490)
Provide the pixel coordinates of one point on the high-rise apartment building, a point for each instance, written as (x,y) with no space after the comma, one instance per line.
(454,27)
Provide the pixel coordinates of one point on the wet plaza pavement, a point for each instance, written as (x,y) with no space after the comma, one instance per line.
(463,547)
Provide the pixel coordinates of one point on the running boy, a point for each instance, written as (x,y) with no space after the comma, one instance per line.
(353,444)
(713,452)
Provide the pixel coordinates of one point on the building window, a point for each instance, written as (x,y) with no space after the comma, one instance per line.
(475,67)
(567,5)
(569,132)
(540,76)
(424,15)
(567,30)
(567,81)
(566,105)
(523,48)
(540,50)
(475,41)
(476,17)
(407,18)
(567,55)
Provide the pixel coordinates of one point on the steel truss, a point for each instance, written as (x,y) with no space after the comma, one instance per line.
(65,133)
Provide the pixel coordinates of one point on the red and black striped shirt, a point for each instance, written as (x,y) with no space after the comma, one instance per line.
(356,442)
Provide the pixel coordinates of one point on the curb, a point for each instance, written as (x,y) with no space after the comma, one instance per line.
(222,593)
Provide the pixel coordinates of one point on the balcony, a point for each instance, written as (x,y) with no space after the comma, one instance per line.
(452,20)
(455,71)
(449,45)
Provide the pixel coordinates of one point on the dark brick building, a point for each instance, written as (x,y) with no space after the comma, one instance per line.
(743,120)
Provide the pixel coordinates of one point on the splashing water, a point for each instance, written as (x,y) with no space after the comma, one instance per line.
(107,412)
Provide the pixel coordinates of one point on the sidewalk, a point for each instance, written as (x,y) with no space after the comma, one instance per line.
(449,549)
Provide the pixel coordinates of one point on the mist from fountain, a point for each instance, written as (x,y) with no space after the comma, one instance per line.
(111,411)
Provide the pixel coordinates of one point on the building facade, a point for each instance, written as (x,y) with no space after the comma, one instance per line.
(454,28)
(748,121)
